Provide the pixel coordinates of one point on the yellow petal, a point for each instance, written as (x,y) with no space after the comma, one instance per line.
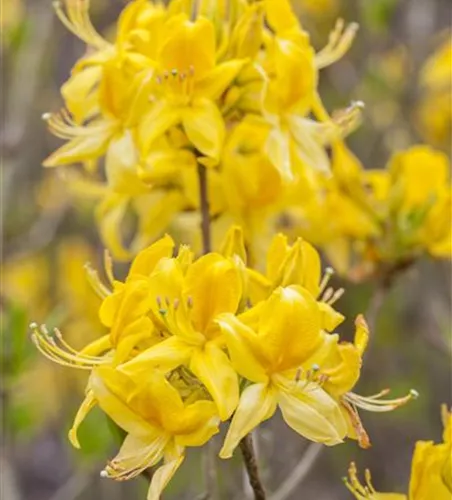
(216,81)
(302,267)
(214,370)
(121,162)
(276,255)
(97,347)
(137,453)
(214,285)
(161,116)
(137,331)
(88,403)
(257,403)
(313,414)
(280,15)
(278,151)
(204,127)
(244,348)
(114,405)
(165,356)
(110,215)
(155,212)
(330,317)
(234,244)
(289,327)
(427,471)
(200,422)
(189,47)
(90,144)
(78,92)
(310,138)
(162,477)
(145,262)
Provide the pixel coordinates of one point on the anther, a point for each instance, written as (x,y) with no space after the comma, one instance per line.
(336,296)
(159,301)
(103,473)
(46,116)
(174,72)
(33,326)
(315,367)
(176,304)
(167,301)
(298,375)
(328,294)
(414,393)
(189,302)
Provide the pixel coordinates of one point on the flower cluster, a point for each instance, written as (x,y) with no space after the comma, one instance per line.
(230,86)
(193,342)
(385,218)
(431,471)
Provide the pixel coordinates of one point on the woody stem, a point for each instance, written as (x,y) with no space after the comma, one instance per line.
(249,457)
(204,208)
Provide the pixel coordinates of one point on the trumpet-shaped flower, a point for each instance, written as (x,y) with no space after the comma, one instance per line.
(267,345)
(158,422)
(187,301)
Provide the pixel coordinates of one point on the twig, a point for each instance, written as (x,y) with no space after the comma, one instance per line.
(249,458)
(74,486)
(298,474)
(375,304)
(204,208)
(210,472)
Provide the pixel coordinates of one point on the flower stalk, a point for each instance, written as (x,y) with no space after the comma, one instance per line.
(252,469)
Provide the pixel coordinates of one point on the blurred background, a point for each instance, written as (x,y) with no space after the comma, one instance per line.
(48,235)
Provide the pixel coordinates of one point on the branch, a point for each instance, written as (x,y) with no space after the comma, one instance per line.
(204,208)
(298,474)
(249,458)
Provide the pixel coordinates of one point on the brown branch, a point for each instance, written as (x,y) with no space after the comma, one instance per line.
(299,473)
(249,458)
(204,208)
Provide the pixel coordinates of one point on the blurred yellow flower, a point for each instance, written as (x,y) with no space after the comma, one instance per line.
(431,471)
(433,115)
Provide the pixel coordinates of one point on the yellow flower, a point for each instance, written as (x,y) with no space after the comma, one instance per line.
(339,366)
(267,345)
(185,85)
(431,471)
(124,311)
(253,186)
(158,422)
(187,302)
(290,92)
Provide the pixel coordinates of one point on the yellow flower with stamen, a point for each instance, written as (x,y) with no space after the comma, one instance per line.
(159,423)
(267,345)
(187,302)
(431,471)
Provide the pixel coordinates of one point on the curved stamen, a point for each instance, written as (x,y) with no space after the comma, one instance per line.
(339,42)
(96,284)
(74,16)
(63,354)
(375,404)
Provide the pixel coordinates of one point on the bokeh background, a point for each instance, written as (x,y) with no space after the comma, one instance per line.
(48,235)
